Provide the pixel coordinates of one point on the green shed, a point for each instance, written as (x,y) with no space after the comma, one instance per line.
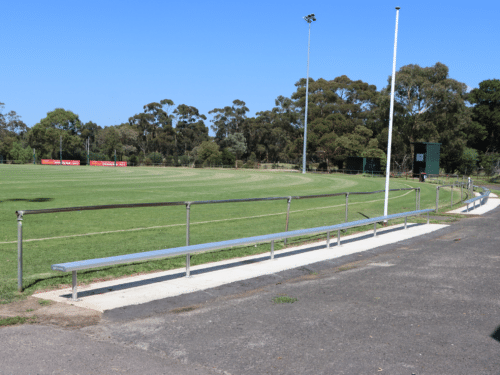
(426,158)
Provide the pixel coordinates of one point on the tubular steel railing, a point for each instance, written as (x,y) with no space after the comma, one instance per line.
(20,214)
(461,185)
(483,198)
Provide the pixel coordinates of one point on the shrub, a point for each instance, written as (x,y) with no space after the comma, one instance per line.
(227,158)
(97,156)
(20,154)
(184,160)
(133,159)
(323,166)
(155,157)
(249,164)
(468,162)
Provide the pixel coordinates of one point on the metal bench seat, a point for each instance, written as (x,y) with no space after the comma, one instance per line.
(155,254)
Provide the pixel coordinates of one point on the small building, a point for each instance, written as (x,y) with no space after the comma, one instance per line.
(358,164)
(426,158)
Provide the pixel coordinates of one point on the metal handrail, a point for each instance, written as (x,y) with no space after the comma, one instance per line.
(183,203)
(483,198)
(188,204)
(460,184)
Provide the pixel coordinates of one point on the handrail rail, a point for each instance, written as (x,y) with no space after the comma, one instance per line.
(183,203)
(484,196)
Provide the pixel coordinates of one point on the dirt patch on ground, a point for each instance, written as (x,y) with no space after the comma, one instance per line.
(50,313)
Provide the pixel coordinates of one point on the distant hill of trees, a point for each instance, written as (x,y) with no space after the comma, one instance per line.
(345,118)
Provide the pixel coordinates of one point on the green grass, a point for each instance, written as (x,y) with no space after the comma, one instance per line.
(284,299)
(16,320)
(63,237)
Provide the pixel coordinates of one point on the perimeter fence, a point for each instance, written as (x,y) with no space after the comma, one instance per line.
(21,213)
(465,187)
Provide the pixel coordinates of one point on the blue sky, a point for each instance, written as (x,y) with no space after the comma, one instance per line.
(105,60)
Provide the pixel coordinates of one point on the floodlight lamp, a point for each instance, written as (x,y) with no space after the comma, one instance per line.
(310,17)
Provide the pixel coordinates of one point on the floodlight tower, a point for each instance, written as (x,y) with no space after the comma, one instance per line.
(391,115)
(309,18)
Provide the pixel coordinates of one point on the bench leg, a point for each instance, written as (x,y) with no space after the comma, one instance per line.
(74,294)
(188,265)
(406,220)
(338,237)
(375,229)
(427,218)
(327,240)
(272,250)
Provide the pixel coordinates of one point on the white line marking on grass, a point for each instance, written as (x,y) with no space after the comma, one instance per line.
(197,222)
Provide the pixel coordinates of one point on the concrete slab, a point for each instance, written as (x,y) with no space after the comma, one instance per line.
(492,203)
(145,288)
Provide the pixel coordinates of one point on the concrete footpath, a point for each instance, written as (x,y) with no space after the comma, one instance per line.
(141,289)
(429,304)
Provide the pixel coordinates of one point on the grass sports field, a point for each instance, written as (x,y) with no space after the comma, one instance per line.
(62,237)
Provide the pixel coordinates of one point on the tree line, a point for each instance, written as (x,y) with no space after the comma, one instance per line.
(345,118)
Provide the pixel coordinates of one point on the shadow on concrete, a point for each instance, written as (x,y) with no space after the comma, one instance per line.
(496,335)
(282,254)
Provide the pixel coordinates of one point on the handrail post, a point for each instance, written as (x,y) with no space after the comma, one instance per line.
(437,198)
(188,256)
(451,196)
(419,198)
(346,207)
(287,215)
(19,251)
(416,199)
(272,250)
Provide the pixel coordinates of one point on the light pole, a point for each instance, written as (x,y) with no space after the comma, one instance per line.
(309,18)
(391,115)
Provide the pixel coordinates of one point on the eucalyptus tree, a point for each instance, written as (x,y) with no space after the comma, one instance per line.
(12,130)
(236,144)
(339,113)
(108,140)
(486,114)
(228,120)
(190,128)
(431,107)
(58,124)
(155,120)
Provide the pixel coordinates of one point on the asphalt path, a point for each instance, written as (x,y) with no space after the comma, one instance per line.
(427,305)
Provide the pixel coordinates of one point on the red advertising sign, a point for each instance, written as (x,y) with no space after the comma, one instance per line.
(58,162)
(108,163)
